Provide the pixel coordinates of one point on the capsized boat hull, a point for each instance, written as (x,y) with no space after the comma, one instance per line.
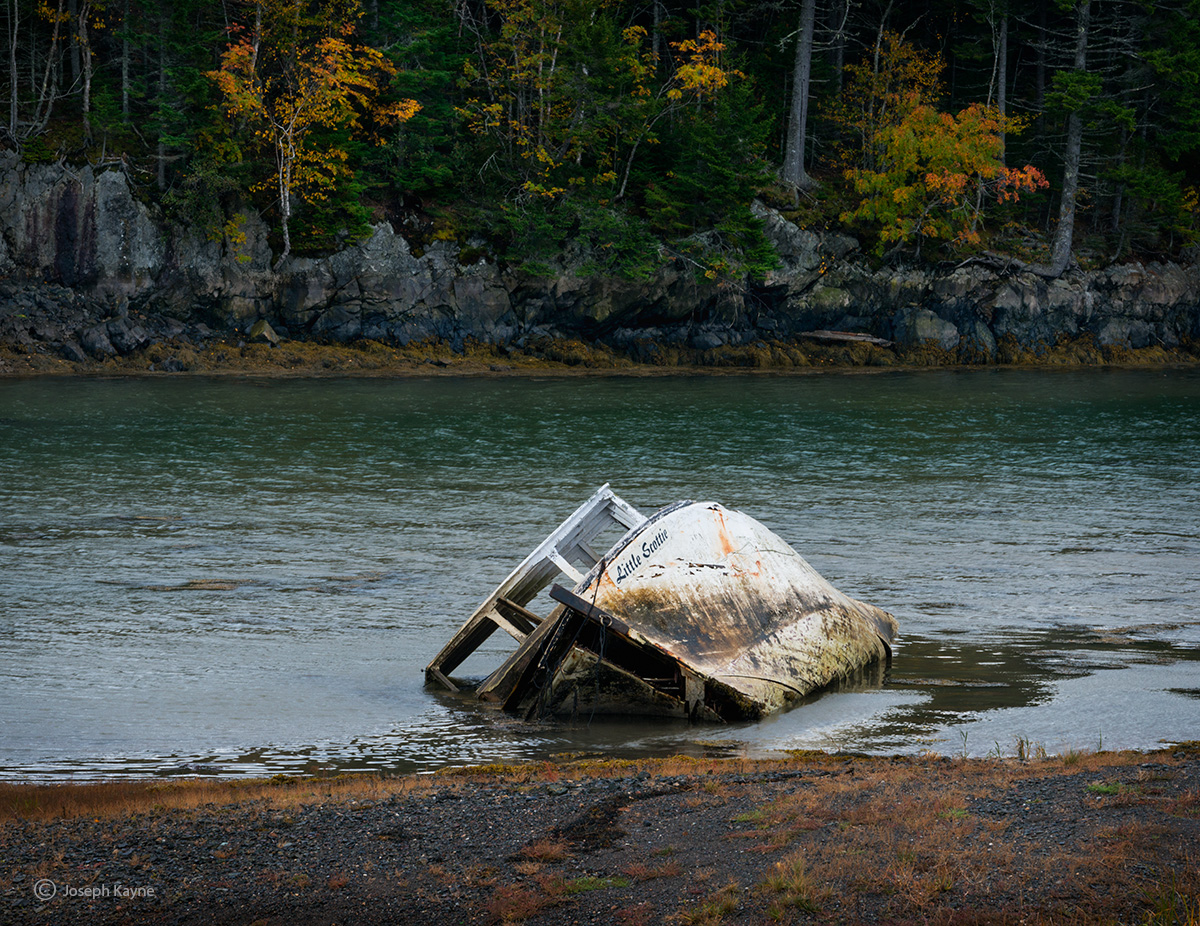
(750,623)
(698,611)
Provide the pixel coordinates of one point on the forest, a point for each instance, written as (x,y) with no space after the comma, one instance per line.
(618,135)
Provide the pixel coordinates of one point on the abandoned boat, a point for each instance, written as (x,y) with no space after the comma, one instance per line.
(697,611)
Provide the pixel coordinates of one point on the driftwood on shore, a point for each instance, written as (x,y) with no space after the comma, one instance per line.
(854,336)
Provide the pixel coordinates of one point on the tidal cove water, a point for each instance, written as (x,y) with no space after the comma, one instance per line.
(247,577)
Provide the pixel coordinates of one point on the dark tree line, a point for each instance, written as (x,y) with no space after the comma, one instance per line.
(626,132)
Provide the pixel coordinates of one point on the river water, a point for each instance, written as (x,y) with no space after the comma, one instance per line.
(240,576)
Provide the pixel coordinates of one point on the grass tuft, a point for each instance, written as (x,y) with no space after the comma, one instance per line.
(713,910)
(514,903)
(789,881)
(546,850)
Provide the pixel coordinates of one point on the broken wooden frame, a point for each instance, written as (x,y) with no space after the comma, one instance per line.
(504,609)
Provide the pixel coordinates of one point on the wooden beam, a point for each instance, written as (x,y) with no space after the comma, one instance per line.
(541,567)
(589,610)
(441,678)
(468,639)
(507,626)
(506,681)
(564,564)
(586,549)
(515,610)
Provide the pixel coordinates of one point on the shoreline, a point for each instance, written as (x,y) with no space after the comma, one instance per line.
(566,358)
(814,837)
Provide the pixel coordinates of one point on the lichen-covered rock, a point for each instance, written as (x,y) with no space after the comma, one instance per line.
(915,325)
(77,228)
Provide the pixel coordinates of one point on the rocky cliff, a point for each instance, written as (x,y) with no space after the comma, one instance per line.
(88,270)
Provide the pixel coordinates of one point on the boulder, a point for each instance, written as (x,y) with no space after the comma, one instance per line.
(73,352)
(125,335)
(95,341)
(261,332)
(916,325)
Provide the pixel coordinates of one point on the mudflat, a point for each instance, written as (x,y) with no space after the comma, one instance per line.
(1080,838)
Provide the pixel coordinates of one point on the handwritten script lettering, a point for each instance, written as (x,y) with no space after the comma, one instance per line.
(639,555)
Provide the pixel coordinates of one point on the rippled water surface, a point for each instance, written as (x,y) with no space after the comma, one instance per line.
(246,577)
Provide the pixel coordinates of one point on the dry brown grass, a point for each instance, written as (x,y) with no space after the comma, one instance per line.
(642,914)
(640,871)
(1187,805)
(127,798)
(515,903)
(714,908)
(887,780)
(789,883)
(546,850)
(905,833)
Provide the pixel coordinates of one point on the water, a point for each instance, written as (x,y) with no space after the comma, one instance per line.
(236,577)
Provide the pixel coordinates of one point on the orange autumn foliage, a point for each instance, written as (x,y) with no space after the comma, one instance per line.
(923,173)
(286,83)
(701,74)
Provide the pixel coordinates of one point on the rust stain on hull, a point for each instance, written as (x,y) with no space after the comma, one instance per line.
(698,611)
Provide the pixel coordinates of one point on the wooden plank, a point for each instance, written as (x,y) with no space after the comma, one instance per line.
(538,577)
(589,610)
(445,681)
(507,626)
(515,612)
(558,645)
(501,684)
(468,639)
(624,512)
(567,568)
(532,574)
(596,523)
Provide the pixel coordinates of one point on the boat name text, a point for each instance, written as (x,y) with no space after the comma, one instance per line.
(626,568)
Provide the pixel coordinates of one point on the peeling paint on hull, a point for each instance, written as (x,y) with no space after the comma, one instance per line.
(699,611)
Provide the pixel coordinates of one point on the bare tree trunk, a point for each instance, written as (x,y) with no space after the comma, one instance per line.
(161,174)
(656,36)
(840,12)
(1040,71)
(49,91)
(1002,79)
(1060,249)
(284,158)
(13,77)
(1119,192)
(125,63)
(793,158)
(85,53)
(258,17)
(73,56)
(869,152)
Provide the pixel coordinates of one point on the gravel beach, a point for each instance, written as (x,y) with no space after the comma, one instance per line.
(1103,838)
